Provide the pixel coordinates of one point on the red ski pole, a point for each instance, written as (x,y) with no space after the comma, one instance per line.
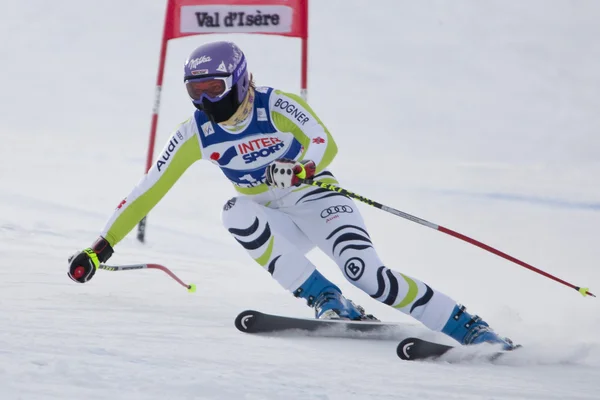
(191,287)
(584,291)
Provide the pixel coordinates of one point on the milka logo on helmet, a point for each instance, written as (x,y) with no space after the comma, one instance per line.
(292,110)
(162,161)
(197,61)
(263,147)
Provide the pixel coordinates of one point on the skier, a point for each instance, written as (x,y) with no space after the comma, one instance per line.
(264,141)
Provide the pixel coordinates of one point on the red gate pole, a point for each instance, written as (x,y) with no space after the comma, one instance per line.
(304,77)
(155,109)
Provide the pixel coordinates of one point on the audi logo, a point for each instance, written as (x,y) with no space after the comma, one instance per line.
(336,210)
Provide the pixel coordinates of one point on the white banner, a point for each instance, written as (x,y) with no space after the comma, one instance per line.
(236,19)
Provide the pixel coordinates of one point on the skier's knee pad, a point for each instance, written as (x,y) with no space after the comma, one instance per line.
(238,212)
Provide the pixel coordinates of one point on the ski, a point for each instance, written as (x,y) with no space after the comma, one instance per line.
(418,349)
(411,349)
(251,321)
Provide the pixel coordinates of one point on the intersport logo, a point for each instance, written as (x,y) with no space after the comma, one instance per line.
(263,147)
(221,18)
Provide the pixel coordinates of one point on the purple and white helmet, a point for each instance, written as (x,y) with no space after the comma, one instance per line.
(217,79)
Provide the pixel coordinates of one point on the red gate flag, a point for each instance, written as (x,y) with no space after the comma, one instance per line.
(196,17)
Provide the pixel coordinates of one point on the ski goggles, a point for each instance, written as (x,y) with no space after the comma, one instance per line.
(213,88)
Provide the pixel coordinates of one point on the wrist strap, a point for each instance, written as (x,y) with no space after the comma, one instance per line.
(93,256)
(103,249)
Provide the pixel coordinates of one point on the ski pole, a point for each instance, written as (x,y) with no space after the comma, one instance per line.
(191,287)
(582,290)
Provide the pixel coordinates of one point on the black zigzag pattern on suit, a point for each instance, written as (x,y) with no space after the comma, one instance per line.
(245,232)
(424,299)
(312,193)
(309,196)
(348,234)
(259,241)
(354,247)
(346,227)
(346,237)
(331,194)
(322,174)
(391,297)
(381,286)
(271,267)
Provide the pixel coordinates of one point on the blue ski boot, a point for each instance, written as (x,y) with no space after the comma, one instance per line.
(328,301)
(468,329)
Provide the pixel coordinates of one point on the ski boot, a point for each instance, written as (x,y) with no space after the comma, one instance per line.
(468,329)
(328,301)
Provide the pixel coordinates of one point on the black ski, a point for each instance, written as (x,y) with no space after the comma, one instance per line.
(419,349)
(251,321)
(411,349)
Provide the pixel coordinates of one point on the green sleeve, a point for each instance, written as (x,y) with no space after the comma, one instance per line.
(179,153)
(290,113)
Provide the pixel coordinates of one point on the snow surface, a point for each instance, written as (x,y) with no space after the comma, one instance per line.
(485,112)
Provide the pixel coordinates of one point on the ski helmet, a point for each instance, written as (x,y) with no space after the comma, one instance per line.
(216,79)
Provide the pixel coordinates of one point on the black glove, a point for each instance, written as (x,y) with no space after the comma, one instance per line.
(83,265)
(284,173)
